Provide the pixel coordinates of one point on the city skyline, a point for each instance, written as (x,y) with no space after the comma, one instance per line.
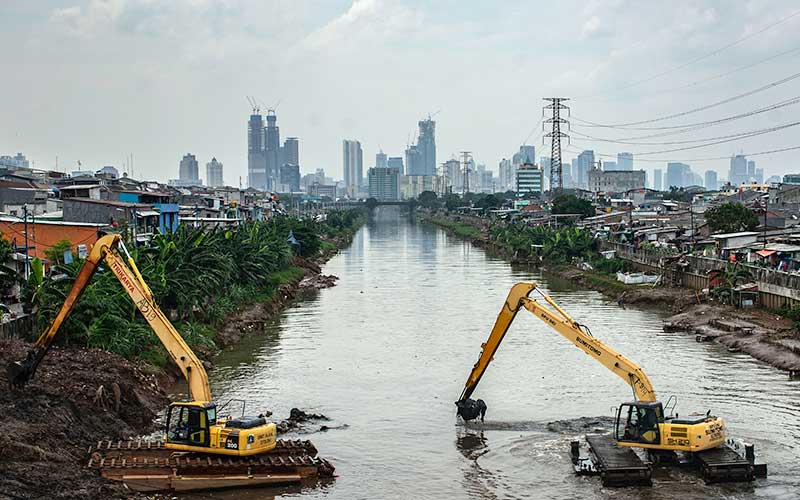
(206,118)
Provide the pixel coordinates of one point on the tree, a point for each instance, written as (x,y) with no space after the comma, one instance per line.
(55,254)
(723,282)
(371,203)
(428,199)
(489,202)
(571,204)
(452,201)
(731,218)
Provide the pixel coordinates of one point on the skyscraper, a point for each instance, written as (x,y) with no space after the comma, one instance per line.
(352,166)
(581,174)
(188,172)
(290,178)
(624,161)
(214,173)
(526,154)
(256,158)
(291,151)
(413,160)
(426,144)
(380,160)
(711,180)
(396,162)
(738,170)
(678,175)
(272,149)
(658,178)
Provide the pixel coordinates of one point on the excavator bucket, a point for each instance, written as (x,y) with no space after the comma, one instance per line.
(17,374)
(470,409)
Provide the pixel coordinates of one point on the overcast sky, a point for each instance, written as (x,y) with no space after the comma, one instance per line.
(97,80)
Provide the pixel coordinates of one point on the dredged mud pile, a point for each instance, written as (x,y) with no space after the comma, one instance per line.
(49,424)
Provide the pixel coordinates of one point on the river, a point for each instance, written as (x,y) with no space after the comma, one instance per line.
(385,353)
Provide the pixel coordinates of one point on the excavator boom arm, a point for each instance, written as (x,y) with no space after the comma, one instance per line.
(560,321)
(131,280)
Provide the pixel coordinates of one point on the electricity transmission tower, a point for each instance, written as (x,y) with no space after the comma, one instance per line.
(555,135)
(465,157)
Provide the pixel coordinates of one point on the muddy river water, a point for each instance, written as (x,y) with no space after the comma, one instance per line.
(385,353)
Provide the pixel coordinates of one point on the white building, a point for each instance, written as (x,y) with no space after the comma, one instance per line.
(214,173)
(529,179)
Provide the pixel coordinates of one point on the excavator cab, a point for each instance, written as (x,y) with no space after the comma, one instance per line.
(188,423)
(638,422)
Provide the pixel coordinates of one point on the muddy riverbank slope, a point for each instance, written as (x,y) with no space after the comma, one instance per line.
(762,334)
(79,396)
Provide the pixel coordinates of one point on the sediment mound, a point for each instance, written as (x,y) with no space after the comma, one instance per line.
(76,398)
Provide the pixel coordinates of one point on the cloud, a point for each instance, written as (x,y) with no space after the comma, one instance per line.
(366,21)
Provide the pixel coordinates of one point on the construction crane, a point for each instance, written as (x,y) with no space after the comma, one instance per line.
(640,423)
(193,427)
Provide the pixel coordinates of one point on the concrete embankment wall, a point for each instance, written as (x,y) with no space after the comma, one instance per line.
(775,288)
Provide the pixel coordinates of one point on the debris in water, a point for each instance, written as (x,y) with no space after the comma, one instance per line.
(297,417)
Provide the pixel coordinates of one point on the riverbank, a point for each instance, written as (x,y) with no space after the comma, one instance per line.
(761,334)
(82,395)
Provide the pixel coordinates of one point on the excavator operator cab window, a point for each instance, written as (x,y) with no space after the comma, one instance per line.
(188,425)
(638,422)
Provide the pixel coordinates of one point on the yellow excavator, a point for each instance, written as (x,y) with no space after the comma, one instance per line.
(191,426)
(640,423)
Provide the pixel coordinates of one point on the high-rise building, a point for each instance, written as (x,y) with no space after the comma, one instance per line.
(738,170)
(384,183)
(16,161)
(380,160)
(616,181)
(526,154)
(658,178)
(413,160)
(291,151)
(256,157)
(610,165)
(426,145)
(214,173)
(624,161)
(352,166)
(290,178)
(580,172)
(452,173)
(711,180)
(529,179)
(396,162)
(189,172)
(272,147)
(759,175)
(751,170)
(678,175)
(508,174)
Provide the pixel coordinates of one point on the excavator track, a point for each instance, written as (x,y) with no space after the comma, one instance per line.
(148,466)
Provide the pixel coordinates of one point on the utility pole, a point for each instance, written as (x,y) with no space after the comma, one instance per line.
(555,135)
(27,259)
(465,158)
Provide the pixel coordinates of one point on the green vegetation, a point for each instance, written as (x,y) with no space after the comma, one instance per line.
(461,229)
(55,254)
(554,245)
(724,281)
(198,277)
(793,313)
(8,276)
(571,204)
(731,218)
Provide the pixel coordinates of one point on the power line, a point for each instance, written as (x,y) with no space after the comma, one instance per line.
(741,135)
(697,125)
(653,160)
(694,110)
(702,57)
